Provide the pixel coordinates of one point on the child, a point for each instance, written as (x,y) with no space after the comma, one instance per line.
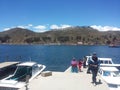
(80,65)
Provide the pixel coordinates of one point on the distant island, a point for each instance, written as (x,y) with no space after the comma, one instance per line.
(79,35)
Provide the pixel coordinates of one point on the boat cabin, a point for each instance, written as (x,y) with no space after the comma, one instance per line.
(105,60)
(109,72)
(24,73)
(24,69)
(102,60)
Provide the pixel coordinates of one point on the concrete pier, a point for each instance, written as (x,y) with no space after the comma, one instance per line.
(65,81)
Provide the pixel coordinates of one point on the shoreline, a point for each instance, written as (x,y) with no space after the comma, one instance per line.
(52,44)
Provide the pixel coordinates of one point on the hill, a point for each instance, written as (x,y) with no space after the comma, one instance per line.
(15,35)
(73,35)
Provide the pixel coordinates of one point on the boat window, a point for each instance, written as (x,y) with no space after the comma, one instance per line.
(106,62)
(101,61)
(116,74)
(35,69)
(21,73)
(110,62)
(106,73)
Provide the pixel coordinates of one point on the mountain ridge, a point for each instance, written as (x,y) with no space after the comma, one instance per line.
(84,35)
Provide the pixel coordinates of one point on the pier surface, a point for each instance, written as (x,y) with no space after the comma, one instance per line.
(65,81)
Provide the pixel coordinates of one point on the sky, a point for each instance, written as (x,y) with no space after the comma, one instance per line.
(44,15)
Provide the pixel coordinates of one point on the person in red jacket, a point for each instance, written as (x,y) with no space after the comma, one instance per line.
(80,65)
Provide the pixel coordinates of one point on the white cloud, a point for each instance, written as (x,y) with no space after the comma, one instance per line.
(40,28)
(65,26)
(5,29)
(43,28)
(30,25)
(24,27)
(62,26)
(105,28)
(54,27)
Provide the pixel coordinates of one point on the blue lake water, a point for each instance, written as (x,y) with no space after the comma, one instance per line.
(55,57)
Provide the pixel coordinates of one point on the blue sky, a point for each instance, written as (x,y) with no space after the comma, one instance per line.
(42,15)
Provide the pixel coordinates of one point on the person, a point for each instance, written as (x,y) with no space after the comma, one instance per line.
(84,62)
(94,65)
(89,68)
(74,65)
(80,65)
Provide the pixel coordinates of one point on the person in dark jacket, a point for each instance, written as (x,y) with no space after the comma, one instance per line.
(94,65)
(84,61)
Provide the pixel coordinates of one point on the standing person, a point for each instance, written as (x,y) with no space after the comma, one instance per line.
(89,68)
(94,65)
(74,65)
(80,65)
(84,62)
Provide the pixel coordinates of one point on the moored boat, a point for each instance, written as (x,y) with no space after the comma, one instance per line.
(25,72)
(111,75)
(114,46)
(103,61)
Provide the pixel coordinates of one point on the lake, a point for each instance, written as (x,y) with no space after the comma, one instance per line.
(55,57)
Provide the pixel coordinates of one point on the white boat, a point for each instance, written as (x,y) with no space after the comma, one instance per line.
(103,61)
(111,75)
(25,72)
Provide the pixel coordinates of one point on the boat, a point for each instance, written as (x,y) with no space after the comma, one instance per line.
(111,75)
(7,68)
(103,61)
(114,46)
(24,73)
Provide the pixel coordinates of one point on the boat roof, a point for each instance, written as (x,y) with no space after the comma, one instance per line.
(105,59)
(27,64)
(110,59)
(109,68)
(7,64)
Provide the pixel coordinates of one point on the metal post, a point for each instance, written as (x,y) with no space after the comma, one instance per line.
(27,81)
